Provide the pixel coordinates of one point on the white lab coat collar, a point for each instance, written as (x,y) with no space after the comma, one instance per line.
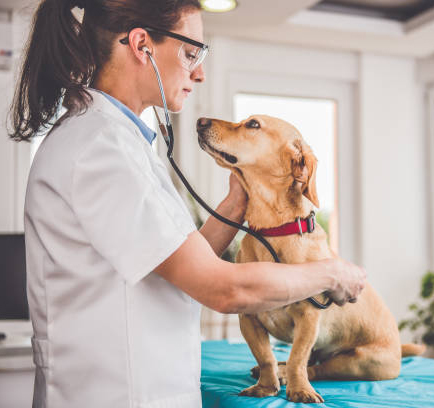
(102,104)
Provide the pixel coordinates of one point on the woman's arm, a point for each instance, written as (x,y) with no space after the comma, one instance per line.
(218,234)
(255,286)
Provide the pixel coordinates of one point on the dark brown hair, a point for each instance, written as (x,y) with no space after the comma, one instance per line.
(63,56)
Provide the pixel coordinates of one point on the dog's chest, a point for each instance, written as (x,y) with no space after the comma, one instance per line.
(281,324)
(278,323)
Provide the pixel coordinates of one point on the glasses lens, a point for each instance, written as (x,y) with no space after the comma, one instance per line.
(202,54)
(191,56)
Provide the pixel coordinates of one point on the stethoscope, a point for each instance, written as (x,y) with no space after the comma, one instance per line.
(167,132)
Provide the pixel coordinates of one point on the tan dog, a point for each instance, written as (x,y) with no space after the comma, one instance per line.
(357,341)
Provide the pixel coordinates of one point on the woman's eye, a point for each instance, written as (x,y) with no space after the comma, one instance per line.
(253,124)
(190,53)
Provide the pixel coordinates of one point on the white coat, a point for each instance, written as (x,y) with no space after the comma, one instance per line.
(100,214)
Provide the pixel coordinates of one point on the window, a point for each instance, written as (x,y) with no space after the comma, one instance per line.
(316,120)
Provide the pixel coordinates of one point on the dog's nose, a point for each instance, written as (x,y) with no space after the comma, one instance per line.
(203,123)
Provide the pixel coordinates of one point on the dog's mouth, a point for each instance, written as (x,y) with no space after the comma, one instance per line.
(226,156)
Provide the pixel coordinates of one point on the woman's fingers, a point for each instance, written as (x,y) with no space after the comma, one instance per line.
(350,282)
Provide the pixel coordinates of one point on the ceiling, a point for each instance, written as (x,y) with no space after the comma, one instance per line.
(400,10)
(395,27)
(384,3)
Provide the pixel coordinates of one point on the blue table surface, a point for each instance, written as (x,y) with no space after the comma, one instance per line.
(226,371)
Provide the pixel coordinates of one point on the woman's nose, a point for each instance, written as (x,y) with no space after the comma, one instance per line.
(198,75)
(203,123)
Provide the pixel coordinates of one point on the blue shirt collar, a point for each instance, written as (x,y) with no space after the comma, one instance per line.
(148,134)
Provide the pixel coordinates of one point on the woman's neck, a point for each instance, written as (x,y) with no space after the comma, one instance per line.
(125,91)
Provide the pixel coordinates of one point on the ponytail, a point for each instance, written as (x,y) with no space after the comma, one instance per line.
(58,64)
(64,56)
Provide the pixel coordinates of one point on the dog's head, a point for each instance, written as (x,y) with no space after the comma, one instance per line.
(261,147)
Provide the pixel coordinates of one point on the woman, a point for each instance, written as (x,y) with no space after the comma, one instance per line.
(116,268)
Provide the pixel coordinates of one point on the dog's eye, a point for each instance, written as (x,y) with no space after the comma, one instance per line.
(253,124)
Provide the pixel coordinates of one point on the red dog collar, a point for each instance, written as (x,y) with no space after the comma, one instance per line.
(299,226)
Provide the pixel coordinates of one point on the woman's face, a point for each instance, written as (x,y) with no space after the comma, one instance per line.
(178,81)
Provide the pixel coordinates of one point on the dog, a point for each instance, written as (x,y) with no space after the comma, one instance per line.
(356,341)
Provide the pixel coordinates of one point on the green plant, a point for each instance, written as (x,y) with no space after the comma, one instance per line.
(322,218)
(423,314)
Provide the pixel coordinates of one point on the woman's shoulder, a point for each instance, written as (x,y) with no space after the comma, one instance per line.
(93,121)
(91,133)
(78,132)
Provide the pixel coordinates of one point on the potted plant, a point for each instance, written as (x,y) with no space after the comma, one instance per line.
(423,315)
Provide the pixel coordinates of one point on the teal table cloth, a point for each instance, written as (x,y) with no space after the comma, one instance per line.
(226,371)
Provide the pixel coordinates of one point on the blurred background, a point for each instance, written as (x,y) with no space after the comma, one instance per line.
(356,77)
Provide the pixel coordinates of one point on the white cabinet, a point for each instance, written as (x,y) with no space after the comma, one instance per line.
(17,371)
(16,388)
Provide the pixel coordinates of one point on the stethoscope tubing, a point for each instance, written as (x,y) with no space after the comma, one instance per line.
(167,133)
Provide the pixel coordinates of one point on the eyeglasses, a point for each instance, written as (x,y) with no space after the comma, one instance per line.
(191,53)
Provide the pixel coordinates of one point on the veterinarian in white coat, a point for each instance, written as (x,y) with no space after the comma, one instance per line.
(116,267)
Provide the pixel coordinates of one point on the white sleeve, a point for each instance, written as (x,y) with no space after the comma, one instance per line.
(120,209)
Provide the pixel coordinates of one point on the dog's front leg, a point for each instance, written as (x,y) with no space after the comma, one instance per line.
(306,328)
(258,340)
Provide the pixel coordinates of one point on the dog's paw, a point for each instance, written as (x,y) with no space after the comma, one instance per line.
(255,371)
(281,372)
(306,395)
(260,391)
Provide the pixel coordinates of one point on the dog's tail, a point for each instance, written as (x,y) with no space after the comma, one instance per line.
(412,349)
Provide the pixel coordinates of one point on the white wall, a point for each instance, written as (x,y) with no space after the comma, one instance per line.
(14,157)
(394,173)
(7,160)
(426,76)
(7,152)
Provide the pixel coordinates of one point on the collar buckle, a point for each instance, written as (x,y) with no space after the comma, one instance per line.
(300,231)
(311,222)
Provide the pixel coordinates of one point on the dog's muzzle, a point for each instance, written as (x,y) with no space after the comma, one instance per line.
(226,156)
(202,126)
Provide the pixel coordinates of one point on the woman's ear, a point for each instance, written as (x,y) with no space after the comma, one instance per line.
(140,42)
(303,167)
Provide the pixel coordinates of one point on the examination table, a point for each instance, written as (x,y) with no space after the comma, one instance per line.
(226,371)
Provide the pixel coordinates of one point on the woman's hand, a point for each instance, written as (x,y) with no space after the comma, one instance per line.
(349,281)
(237,198)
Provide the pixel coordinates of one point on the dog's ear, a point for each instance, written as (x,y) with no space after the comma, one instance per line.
(304,171)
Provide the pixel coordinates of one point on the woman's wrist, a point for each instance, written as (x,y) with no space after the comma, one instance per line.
(329,269)
(230,209)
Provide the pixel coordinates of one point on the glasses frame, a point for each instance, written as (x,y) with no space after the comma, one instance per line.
(204,47)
